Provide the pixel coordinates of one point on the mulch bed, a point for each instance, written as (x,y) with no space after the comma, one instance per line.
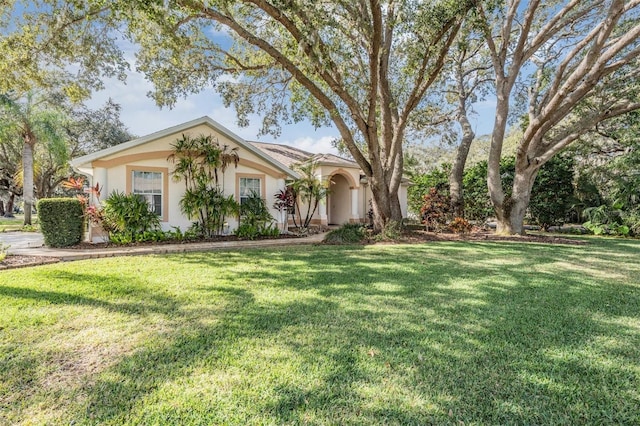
(19,261)
(222,238)
(411,237)
(424,236)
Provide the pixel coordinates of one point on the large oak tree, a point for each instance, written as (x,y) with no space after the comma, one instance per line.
(572,64)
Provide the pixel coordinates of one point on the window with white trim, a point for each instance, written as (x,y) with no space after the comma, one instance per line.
(249,186)
(149,186)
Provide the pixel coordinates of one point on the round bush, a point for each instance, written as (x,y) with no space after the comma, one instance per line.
(61,221)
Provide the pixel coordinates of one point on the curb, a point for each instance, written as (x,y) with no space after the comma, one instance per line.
(69,255)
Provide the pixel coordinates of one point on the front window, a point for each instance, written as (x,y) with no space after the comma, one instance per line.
(149,186)
(249,186)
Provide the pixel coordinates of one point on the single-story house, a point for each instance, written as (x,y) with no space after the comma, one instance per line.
(142,166)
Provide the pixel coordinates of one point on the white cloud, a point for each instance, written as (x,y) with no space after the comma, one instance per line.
(321,145)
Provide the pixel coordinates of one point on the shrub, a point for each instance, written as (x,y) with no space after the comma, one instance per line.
(477,205)
(349,233)
(632,220)
(254,210)
(247,230)
(436,210)
(255,219)
(128,215)
(611,220)
(285,204)
(422,184)
(61,221)
(270,231)
(552,194)
(460,225)
(251,231)
(391,231)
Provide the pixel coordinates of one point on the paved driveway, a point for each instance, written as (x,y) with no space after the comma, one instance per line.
(21,240)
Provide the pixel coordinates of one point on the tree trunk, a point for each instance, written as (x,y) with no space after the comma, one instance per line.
(386,206)
(457,171)
(9,207)
(396,208)
(1,208)
(27,181)
(494,179)
(511,221)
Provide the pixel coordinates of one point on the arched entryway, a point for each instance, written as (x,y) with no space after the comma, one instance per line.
(339,200)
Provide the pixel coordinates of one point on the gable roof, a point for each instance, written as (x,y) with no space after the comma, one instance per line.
(290,156)
(85,160)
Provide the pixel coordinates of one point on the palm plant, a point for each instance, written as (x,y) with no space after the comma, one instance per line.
(309,190)
(197,161)
(128,214)
(27,120)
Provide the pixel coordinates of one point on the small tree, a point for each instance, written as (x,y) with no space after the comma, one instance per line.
(285,204)
(308,190)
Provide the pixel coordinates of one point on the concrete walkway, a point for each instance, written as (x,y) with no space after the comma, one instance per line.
(21,240)
(79,254)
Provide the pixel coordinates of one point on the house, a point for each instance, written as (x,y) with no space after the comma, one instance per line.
(142,166)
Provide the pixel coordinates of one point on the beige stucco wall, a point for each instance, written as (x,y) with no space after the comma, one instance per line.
(363,196)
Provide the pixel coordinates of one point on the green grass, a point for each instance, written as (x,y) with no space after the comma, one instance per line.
(441,333)
(10,224)
(16,223)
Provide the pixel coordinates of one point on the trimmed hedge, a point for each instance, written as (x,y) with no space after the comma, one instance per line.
(61,221)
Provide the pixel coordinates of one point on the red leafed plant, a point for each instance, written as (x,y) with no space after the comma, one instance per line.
(460,225)
(74,183)
(92,213)
(435,211)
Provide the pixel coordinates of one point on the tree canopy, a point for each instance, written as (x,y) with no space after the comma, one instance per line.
(48,44)
(368,67)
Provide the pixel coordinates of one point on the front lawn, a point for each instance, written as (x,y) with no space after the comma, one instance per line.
(10,224)
(438,333)
(17,223)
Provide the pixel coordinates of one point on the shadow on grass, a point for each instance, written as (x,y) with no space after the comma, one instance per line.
(135,377)
(154,304)
(445,333)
